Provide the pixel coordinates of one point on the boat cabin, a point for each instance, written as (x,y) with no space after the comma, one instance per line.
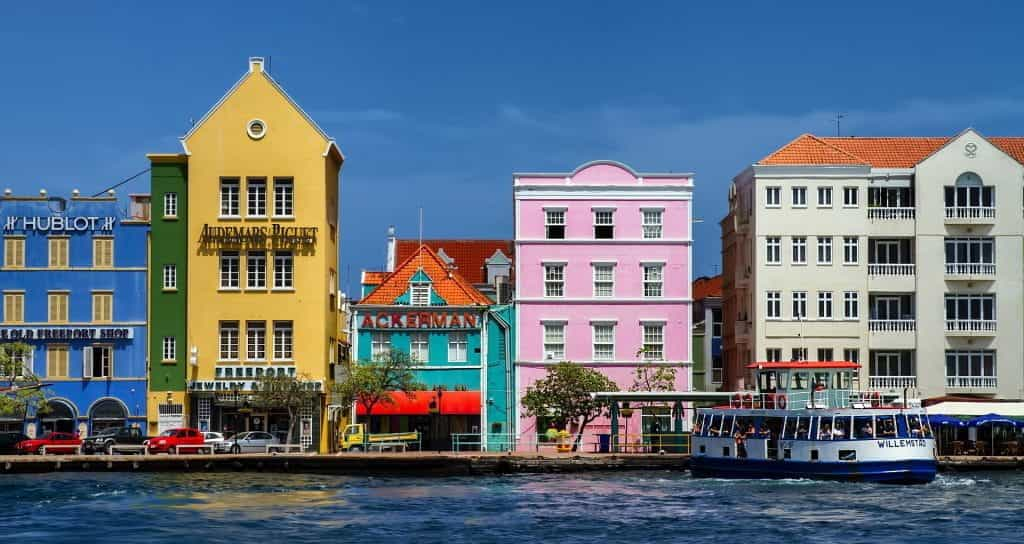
(798,385)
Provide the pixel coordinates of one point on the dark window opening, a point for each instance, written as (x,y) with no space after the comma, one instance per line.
(556,232)
(814,455)
(847,455)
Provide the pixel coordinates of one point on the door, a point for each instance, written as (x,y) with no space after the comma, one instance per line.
(886,308)
(887,252)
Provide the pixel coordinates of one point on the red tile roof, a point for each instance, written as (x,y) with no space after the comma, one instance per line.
(448,284)
(469,256)
(705,287)
(373,278)
(882,152)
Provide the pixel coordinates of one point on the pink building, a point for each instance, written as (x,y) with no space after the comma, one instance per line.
(602,271)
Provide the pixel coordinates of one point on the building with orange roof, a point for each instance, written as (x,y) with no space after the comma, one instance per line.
(459,340)
(890,251)
(707,333)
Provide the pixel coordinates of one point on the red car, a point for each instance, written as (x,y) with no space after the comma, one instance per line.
(167,440)
(52,441)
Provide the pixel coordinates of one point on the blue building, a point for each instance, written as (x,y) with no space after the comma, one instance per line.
(74,289)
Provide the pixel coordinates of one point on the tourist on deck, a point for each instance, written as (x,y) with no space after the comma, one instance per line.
(866,431)
(801,433)
(825,432)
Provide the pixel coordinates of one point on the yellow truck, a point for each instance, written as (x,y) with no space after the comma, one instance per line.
(353,440)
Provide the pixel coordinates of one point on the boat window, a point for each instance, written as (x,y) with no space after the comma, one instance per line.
(825,428)
(799,382)
(769,381)
(863,427)
(821,380)
(697,423)
(841,427)
(714,425)
(901,426)
(702,449)
(885,426)
(843,380)
(847,455)
(725,451)
(771,427)
(812,428)
(744,425)
(916,429)
(814,455)
(783,380)
(790,430)
(787,453)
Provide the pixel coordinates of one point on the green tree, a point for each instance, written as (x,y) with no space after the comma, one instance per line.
(652,377)
(565,394)
(370,383)
(289,393)
(21,391)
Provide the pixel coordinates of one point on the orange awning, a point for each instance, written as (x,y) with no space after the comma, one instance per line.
(417,403)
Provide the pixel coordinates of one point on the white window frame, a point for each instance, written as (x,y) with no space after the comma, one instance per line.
(652,223)
(230,189)
(106,368)
(798,354)
(654,280)
(799,253)
(256,198)
(554,280)
(851,247)
(773,248)
(284,197)
(553,341)
(284,271)
(825,196)
(849,202)
(826,354)
(603,335)
(419,294)
(284,341)
(554,218)
(170,277)
(604,217)
(458,347)
(604,286)
(851,351)
(256,341)
(228,341)
(230,270)
(773,196)
(256,269)
(773,305)
(824,253)
(851,305)
(653,338)
(419,346)
(380,344)
(169,349)
(170,205)
(825,309)
(773,355)
(799,196)
(799,306)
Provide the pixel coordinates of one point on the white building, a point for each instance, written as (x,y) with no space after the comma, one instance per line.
(904,254)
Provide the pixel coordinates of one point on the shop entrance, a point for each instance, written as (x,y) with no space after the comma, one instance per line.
(59,418)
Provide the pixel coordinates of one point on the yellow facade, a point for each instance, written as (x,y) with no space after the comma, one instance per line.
(224,146)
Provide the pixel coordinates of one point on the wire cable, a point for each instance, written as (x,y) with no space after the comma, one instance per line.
(120,183)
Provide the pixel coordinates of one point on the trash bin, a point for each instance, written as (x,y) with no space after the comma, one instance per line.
(604,443)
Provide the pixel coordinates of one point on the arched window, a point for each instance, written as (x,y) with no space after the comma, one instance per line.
(969,191)
(107,413)
(59,417)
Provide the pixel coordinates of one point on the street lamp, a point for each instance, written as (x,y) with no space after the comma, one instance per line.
(435,411)
(626,412)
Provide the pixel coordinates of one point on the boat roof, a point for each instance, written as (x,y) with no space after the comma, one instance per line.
(809,365)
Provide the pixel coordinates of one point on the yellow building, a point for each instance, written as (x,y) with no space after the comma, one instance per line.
(260,201)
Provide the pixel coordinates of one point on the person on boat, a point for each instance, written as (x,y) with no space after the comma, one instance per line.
(838,432)
(825,433)
(888,429)
(741,443)
(866,431)
(801,433)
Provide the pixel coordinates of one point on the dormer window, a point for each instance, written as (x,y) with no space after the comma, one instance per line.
(419,294)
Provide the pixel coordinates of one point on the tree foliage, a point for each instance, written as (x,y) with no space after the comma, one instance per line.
(289,393)
(370,383)
(651,377)
(565,395)
(21,391)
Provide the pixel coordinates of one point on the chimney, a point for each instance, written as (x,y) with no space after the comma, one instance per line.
(255,64)
(392,242)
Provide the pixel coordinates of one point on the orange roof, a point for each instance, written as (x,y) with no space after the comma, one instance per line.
(373,278)
(469,256)
(880,152)
(448,284)
(705,287)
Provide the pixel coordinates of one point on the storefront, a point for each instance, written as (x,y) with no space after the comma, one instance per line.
(436,415)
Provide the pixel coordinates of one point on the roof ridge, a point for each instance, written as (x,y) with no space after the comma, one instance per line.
(467,289)
(839,149)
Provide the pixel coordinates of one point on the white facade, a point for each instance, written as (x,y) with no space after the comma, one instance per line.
(915,272)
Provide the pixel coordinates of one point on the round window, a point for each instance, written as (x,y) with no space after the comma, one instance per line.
(256,129)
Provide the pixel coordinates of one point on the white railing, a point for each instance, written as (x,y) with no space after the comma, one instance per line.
(970,325)
(977,382)
(970,212)
(892,382)
(897,269)
(902,212)
(891,325)
(970,269)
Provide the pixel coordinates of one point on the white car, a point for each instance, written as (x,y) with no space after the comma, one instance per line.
(217,440)
(251,442)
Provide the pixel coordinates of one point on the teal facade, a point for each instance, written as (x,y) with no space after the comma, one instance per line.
(500,378)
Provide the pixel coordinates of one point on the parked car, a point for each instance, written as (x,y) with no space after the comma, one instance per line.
(8,441)
(169,439)
(52,441)
(103,440)
(218,441)
(252,442)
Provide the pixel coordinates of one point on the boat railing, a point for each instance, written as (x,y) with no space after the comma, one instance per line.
(805,400)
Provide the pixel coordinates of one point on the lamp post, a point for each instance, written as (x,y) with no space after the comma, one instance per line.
(626,413)
(435,411)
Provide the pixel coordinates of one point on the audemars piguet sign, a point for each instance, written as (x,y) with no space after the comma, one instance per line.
(58,223)
(63,334)
(275,235)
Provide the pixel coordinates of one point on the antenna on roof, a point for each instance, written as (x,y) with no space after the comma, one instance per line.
(420,248)
(839,117)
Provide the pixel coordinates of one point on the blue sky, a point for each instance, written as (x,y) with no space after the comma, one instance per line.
(435,104)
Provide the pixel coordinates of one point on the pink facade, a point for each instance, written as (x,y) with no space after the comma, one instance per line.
(602,247)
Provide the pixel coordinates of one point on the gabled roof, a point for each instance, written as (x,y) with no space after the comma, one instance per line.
(468,256)
(877,152)
(809,149)
(705,287)
(445,282)
(373,278)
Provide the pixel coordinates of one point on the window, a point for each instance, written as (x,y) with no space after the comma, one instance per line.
(256,341)
(58,252)
(102,307)
(380,344)
(170,277)
(773,250)
(283,340)
(654,342)
(14,252)
(824,197)
(229,270)
(229,198)
(852,355)
(57,307)
(14,307)
(554,224)
(974,368)
(773,305)
(799,304)
(102,252)
(57,361)
(851,309)
(604,224)
(824,250)
(773,197)
(419,347)
(554,280)
(970,256)
(229,340)
(171,205)
(969,192)
(458,347)
(98,362)
(798,354)
(604,280)
(799,250)
(554,341)
(773,354)
(170,349)
(825,354)
(283,272)
(824,305)
(284,198)
(419,294)
(799,197)
(850,195)
(965,312)
(604,342)
(652,223)
(851,246)
(653,280)
(256,270)
(256,201)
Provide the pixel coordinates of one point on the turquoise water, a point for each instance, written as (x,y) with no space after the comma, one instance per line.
(636,507)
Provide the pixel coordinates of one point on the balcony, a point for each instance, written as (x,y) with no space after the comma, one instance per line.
(901,213)
(970,215)
(970,327)
(892,382)
(971,271)
(897,270)
(972,382)
(891,325)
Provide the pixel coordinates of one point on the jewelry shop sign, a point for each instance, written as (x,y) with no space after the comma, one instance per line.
(246,386)
(64,334)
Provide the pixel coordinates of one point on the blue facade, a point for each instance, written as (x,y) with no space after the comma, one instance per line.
(93,358)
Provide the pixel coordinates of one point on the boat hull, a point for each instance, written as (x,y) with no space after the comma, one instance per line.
(912,471)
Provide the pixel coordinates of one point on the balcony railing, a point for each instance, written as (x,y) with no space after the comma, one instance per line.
(892,382)
(891,325)
(970,325)
(970,269)
(970,212)
(902,212)
(972,382)
(898,269)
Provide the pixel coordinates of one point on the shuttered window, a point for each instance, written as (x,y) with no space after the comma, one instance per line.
(14,307)
(14,252)
(58,252)
(102,307)
(56,361)
(102,252)
(58,308)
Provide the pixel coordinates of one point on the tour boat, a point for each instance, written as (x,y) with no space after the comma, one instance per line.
(806,420)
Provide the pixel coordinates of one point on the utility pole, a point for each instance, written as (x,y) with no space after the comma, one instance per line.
(839,117)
